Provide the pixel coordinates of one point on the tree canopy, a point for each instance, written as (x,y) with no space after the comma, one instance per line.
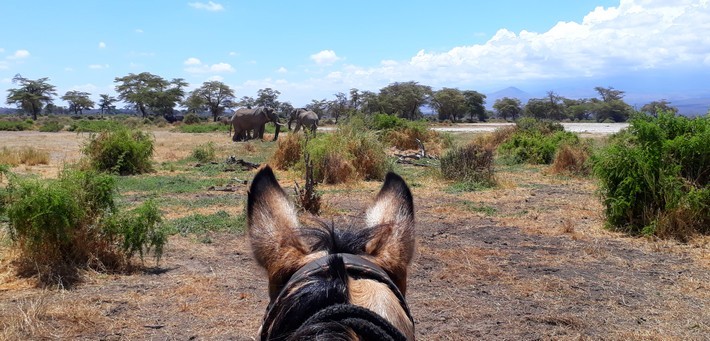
(150,93)
(214,95)
(78,101)
(32,95)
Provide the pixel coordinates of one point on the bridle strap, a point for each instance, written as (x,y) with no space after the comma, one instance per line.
(356,266)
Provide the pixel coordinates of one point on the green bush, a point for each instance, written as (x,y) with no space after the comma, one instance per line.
(204,152)
(69,223)
(122,151)
(95,126)
(14,126)
(532,125)
(191,118)
(202,128)
(655,178)
(346,155)
(472,163)
(51,127)
(534,147)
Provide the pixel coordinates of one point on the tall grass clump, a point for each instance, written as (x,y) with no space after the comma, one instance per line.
(351,153)
(471,164)
(204,152)
(26,155)
(655,177)
(122,151)
(288,152)
(63,225)
(191,118)
(95,126)
(535,142)
(572,160)
(406,134)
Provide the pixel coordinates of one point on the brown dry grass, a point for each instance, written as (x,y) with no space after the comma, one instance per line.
(288,152)
(26,155)
(571,160)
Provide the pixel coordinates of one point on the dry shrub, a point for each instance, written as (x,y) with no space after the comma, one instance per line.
(27,156)
(406,138)
(472,163)
(249,147)
(572,160)
(288,152)
(308,199)
(496,138)
(336,169)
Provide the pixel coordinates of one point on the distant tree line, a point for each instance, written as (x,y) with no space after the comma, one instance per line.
(149,94)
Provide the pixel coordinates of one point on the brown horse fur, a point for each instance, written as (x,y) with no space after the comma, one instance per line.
(282,247)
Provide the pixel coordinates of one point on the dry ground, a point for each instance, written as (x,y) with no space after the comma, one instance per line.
(528,260)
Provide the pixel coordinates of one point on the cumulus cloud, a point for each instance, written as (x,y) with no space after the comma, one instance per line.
(102,45)
(98,66)
(209,6)
(325,57)
(636,35)
(138,30)
(20,54)
(282,70)
(195,66)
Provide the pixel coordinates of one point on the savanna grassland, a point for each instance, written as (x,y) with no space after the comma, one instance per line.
(527,259)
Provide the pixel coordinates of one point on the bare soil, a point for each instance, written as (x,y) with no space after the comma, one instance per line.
(529,260)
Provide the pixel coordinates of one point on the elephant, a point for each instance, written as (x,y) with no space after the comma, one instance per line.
(255,119)
(306,118)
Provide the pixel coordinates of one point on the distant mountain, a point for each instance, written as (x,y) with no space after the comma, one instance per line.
(510,92)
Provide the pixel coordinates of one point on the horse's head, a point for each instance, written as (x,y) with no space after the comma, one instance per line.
(337,284)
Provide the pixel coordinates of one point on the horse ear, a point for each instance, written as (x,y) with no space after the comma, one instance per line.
(273,229)
(391,219)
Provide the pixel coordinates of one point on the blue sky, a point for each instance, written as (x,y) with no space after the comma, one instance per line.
(307,50)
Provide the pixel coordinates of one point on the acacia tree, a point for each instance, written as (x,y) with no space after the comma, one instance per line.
(215,95)
(449,103)
(339,106)
(106,103)
(267,98)
(78,101)
(404,99)
(32,95)
(507,107)
(656,107)
(150,92)
(611,107)
(475,101)
(247,102)
(317,106)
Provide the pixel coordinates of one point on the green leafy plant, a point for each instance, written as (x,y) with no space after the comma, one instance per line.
(204,152)
(122,151)
(655,178)
(69,223)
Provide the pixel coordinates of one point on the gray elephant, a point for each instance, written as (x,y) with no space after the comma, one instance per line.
(255,119)
(306,118)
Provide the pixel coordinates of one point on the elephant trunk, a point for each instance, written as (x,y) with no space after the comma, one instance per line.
(278,128)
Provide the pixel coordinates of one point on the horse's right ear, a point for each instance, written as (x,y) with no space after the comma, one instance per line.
(273,229)
(391,218)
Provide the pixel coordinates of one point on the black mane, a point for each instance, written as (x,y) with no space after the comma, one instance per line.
(327,238)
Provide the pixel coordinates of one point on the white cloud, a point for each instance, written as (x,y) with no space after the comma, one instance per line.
(636,35)
(209,6)
(2,50)
(195,66)
(102,45)
(138,30)
(325,57)
(282,70)
(215,78)
(20,54)
(98,66)
(192,61)
(233,54)
(4,65)
(69,69)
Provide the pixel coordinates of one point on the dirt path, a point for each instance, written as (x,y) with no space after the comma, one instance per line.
(525,261)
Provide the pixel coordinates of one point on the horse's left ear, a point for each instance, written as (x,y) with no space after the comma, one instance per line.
(273,229)
(391,218)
